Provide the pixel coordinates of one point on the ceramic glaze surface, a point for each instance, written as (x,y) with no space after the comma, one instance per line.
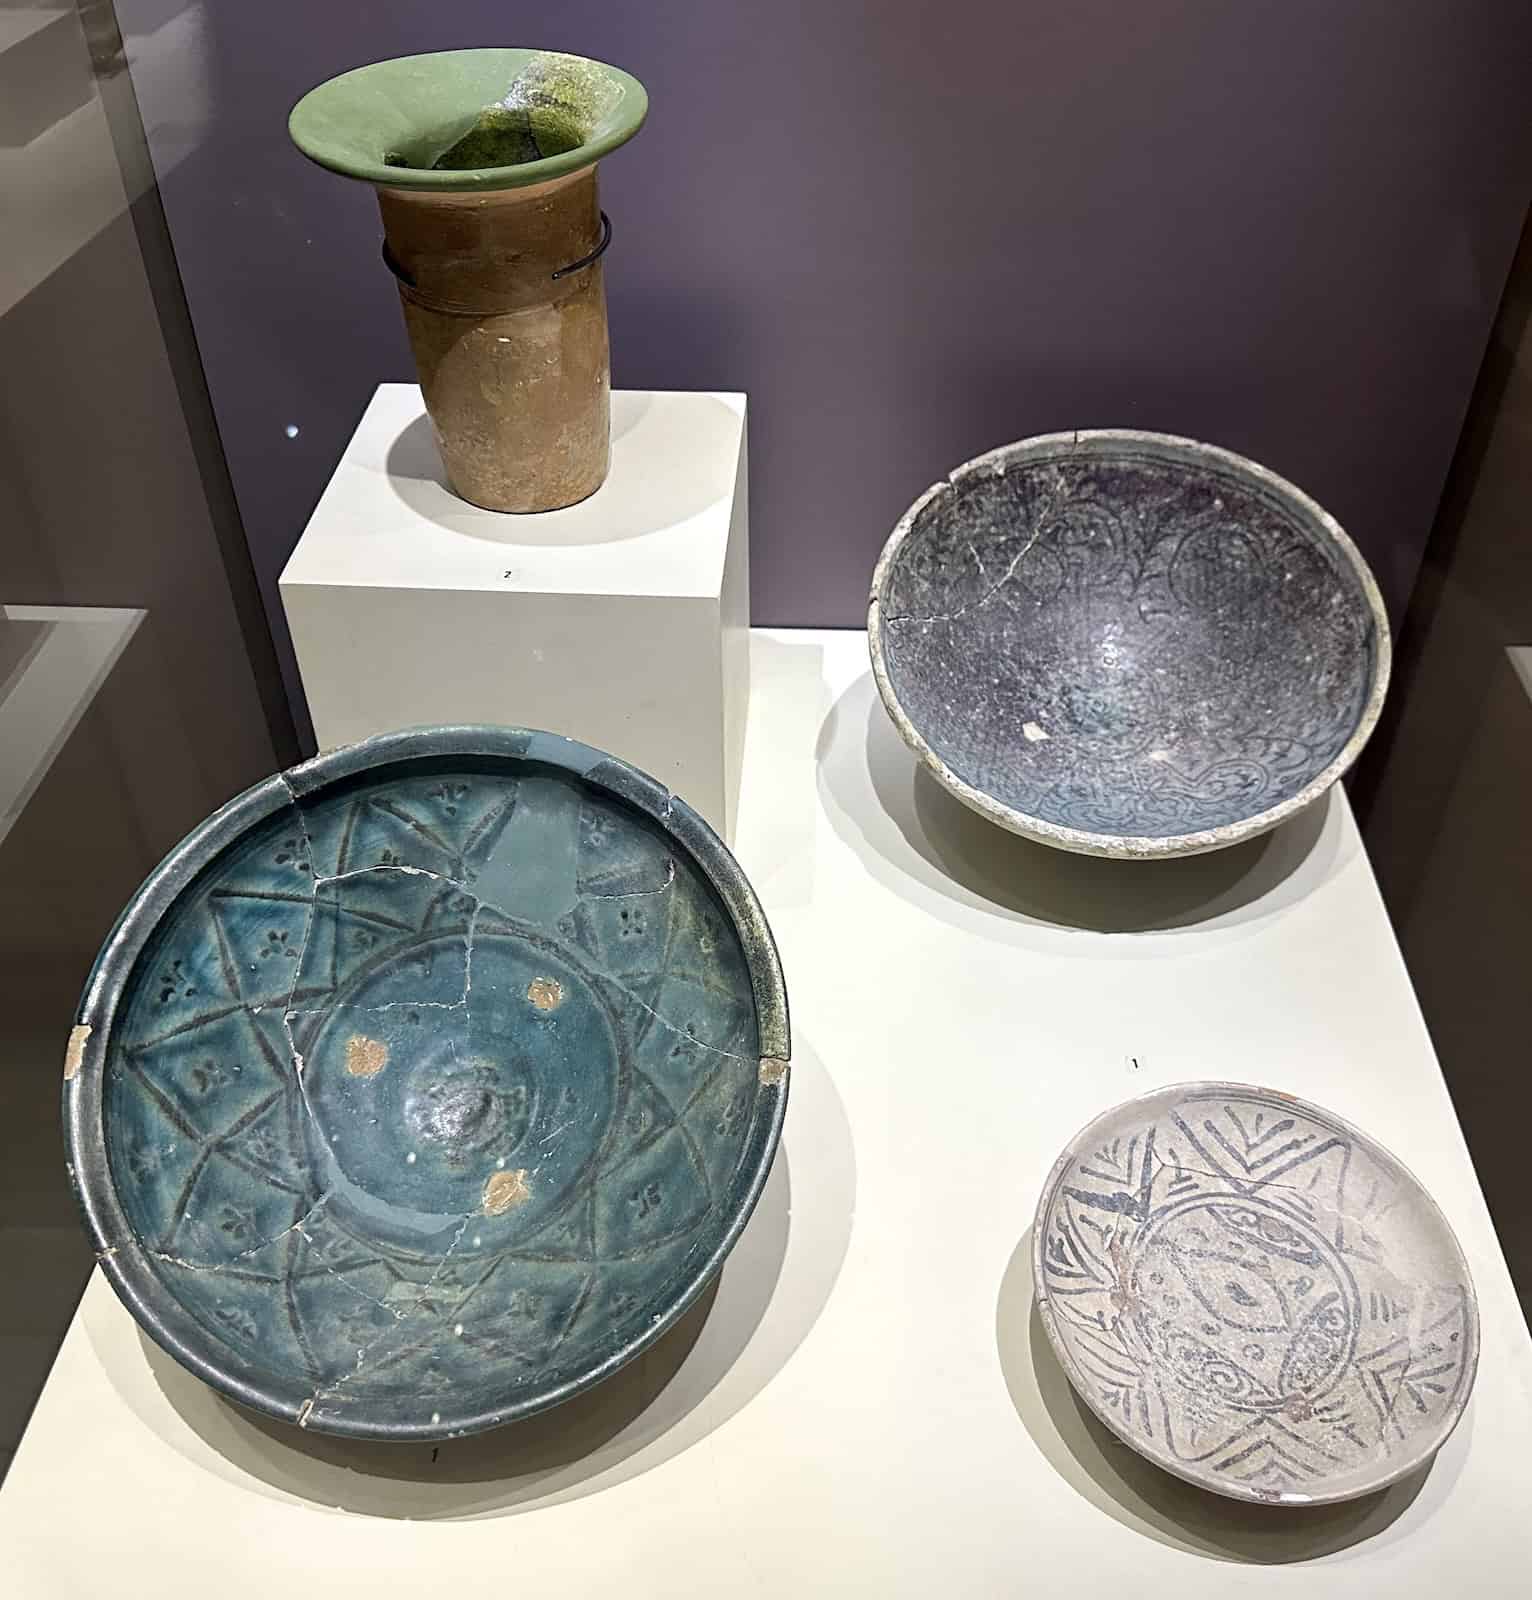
(469,119)
(434,1090)
(1127,643)
(1255,1295)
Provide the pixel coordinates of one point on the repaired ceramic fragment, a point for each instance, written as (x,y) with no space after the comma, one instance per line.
(1127,644)
(427,1083)
(1254,1294)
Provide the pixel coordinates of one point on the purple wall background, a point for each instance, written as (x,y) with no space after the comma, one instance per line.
(914,230)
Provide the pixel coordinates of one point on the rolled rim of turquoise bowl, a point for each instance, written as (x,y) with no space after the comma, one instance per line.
(386,123)
(1132,847)
(129,1264)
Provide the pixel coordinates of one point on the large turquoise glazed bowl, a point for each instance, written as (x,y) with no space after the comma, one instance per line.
(429,1082)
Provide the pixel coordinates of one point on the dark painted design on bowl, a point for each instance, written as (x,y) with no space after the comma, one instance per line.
(425,1085)
(1255,1295)
(1127,643)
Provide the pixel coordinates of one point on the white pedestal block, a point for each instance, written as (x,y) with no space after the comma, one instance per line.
(621,621)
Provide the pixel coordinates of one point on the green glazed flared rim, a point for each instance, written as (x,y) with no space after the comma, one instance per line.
(419,107)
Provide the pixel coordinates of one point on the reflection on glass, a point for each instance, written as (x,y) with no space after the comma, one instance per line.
(52,661)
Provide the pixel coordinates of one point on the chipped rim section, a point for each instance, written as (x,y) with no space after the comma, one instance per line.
(123,1258)
(1131,847)
(1169,1463)
(75,1050)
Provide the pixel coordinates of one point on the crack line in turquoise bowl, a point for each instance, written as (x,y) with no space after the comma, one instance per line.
(427,1083)
(392,122)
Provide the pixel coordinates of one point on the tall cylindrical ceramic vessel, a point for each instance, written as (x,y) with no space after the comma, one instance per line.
(484,162)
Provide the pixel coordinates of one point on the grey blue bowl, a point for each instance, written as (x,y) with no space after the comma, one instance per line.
(427,1083)
(1127,644)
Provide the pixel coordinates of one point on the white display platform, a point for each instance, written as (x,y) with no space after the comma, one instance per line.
(869,1407)
(620,621)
